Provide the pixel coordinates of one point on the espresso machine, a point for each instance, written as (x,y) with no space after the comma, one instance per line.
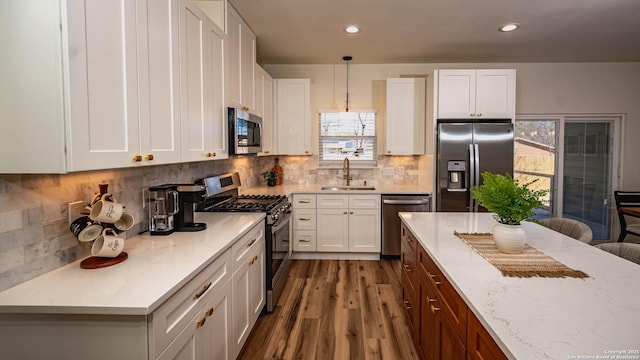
(189,197)
(163,205)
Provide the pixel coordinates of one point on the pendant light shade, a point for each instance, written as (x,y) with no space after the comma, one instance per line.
(347,59)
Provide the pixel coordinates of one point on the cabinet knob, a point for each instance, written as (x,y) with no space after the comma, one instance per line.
(430,299)
(433,278)
(434,309)
(407,268)
(201,321)
(345,212)
(267,152)
(253,241)
(210,154)
(407,305)
(479,114)
(305,219)
(148,157)
(137,158)
(351,212)
(209,311)
(304,240)
(388,151)
(306,151)
(472,114)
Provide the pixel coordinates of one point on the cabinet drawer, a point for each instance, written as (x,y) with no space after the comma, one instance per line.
(172,316)
(304,201)
(333,201)
(246,244)
(452,304)
(364,201)
(304,219)
(304,240)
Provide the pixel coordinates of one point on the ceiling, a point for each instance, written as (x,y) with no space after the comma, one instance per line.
(433,31)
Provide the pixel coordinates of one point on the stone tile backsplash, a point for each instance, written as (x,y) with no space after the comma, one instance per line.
(34,226)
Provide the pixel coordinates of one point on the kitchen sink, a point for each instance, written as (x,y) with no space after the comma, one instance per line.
(339,188)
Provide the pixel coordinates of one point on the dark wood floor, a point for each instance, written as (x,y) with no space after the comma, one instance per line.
(332,309)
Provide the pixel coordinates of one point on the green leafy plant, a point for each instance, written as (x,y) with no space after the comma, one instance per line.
(269,175)
(511,202)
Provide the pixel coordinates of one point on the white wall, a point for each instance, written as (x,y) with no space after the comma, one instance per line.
(542,88)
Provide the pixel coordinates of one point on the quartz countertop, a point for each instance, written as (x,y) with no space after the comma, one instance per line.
(540,318)
(314,189)
(156,268)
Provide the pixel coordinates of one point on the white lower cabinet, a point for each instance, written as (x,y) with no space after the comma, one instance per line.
(348,223)
(248,284)
(303,219)
(208,334)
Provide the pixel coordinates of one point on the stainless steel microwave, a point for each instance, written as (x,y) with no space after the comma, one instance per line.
(245,132)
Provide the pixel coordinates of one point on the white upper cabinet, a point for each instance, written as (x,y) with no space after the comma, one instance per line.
(241,59)
(264,108)
(405,118)
(471,94)
(204,126)
(293,116)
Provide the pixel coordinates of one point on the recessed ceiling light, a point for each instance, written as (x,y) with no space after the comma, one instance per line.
(352,29)
(508,27)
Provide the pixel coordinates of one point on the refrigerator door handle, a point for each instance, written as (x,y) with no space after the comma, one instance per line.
(472,171)
(476,174)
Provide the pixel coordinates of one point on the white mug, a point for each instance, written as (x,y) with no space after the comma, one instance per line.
(106,211)
(125,222)
(107,245)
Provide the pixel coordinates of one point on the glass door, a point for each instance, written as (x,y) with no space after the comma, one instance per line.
(587,167)
(576,157)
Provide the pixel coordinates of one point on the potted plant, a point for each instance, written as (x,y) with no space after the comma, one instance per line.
(270,177)
(511,203)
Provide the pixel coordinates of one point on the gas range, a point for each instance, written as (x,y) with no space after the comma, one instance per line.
(222,196)
(275,206)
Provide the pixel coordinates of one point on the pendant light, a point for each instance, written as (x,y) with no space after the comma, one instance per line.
(347,59)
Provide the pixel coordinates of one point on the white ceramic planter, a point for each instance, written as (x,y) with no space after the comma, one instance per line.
(510,239)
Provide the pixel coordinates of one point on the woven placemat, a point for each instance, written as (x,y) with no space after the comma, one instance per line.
(530,263)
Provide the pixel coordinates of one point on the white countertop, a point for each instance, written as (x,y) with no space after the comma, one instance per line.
(306,189)
(156,268)
(540,318)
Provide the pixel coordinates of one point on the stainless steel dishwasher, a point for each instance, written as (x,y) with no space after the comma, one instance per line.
(391,206)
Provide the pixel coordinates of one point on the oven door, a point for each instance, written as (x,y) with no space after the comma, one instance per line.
(277,258)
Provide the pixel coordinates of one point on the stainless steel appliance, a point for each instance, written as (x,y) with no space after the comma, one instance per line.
(465,150)
(163,206)
(222,195)
(391,206)
(245,132)
(189,196)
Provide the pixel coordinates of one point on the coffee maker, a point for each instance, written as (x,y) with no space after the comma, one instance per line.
(163,205)
(189,197)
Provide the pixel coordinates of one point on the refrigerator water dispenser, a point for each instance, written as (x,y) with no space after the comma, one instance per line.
(457,175)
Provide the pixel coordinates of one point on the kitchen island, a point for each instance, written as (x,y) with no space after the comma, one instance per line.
(539,318)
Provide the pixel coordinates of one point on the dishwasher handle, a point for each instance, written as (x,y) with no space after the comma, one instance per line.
(406,202)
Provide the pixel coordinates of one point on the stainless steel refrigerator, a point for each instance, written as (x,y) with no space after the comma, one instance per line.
(465,150)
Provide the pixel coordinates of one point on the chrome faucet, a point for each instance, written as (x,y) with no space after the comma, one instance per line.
(346,169)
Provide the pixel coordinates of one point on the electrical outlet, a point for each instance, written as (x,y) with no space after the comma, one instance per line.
(75,210)
(387,170)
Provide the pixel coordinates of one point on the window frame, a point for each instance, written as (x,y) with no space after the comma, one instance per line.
(354,161)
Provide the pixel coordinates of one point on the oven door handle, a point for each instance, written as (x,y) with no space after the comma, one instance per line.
(281,223)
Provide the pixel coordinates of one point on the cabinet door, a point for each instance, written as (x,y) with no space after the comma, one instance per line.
(405,118)
(364,230)
(427,321)
(332,230)
(32,137)
(214,338)
(247,66)
(241,306)
(264,108)
(293,116)
(159,82)
(203,118)
(257,286)
(495,94)
(448,345)
(184,347)
(103,84)
(456,94)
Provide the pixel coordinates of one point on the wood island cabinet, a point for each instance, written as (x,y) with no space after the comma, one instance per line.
(442,325)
